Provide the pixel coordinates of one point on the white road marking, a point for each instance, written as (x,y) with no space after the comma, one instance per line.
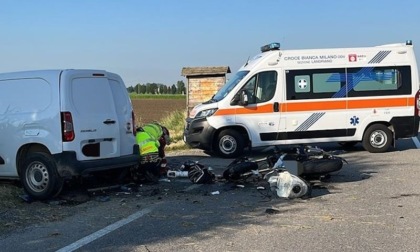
(98,234)
(416,142)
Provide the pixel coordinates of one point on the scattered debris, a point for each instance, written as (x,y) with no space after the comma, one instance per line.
(175,174)
(215,193)
(105,188)
(103,198)
(26,198)
(198,174)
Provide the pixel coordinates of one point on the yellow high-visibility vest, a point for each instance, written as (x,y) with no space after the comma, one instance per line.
(147,143)
(154,130)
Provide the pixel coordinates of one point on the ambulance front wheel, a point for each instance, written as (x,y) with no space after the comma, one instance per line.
(229,144)
(377,138)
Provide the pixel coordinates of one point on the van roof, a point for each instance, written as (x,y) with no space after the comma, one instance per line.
(44,73)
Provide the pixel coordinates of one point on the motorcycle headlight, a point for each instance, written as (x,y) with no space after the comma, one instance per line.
(205,113)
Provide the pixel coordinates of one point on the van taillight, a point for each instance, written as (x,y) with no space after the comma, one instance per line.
(417,104)
(67,127)
(133,123)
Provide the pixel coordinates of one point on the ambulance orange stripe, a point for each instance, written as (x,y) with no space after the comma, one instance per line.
(268,108)
(321,105)
(378,103)
(310,106)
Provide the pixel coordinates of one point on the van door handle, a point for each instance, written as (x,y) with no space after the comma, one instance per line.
(276,107)
(109,121)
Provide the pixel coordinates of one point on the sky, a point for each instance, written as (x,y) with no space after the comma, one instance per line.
(151,41)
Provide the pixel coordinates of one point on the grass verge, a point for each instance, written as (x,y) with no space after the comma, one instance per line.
(175,122)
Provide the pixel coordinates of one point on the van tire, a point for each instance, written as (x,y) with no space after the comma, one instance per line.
(377,138)
(230,144)
(39,176)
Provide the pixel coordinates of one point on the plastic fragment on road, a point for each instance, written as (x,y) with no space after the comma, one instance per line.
(288,185)
(175,174)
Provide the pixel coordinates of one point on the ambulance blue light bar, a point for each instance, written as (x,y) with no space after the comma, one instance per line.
(270,47)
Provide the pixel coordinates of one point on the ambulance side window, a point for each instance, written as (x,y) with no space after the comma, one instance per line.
(261,87)
(315,83)
(379,81)
(249,87)
(348,82)
(266,86)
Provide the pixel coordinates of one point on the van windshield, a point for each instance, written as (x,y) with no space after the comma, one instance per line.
(229,86)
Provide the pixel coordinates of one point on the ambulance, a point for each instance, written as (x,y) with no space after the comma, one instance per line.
(345,95)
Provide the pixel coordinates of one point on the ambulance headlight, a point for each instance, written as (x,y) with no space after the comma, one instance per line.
(206,113)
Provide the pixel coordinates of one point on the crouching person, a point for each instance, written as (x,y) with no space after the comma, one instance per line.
(149,166)
(161,135)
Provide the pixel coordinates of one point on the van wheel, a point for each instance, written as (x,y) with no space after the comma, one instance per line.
(40,177)
(377,138)
(230,144)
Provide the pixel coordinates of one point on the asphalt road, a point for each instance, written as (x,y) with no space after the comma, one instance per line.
(372,204)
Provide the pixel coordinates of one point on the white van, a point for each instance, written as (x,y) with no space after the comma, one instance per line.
(57,124)
(347,95)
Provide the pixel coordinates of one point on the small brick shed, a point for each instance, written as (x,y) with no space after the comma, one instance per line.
(203,83)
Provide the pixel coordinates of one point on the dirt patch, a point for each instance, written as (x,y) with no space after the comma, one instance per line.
(149,110)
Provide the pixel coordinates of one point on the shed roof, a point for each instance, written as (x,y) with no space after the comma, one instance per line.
(194,71)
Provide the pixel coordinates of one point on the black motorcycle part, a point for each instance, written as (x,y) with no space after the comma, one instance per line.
(321,166)
(236,170)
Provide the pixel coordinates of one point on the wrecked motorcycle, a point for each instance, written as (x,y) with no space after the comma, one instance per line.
(304,161)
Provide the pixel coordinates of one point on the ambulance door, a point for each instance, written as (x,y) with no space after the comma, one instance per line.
(261,115)
(316,107)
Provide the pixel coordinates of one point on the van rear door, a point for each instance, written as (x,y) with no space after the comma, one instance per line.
(124,109)
(87,95)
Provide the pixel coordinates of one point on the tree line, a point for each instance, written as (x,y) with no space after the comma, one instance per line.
(157,88)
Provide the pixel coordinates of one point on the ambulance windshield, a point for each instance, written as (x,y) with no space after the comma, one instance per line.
(229,86)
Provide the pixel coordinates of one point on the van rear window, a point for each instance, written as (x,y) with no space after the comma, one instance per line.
(92,96)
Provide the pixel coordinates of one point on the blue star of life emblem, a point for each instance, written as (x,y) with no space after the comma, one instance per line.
(354,120)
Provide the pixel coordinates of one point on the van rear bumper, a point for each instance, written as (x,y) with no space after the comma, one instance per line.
(199,134)
(69,166)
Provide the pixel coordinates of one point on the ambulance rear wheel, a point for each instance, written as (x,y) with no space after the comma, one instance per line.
(377,138)
(229,144)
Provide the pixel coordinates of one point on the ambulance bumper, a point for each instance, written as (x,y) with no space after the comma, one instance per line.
(199,134)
